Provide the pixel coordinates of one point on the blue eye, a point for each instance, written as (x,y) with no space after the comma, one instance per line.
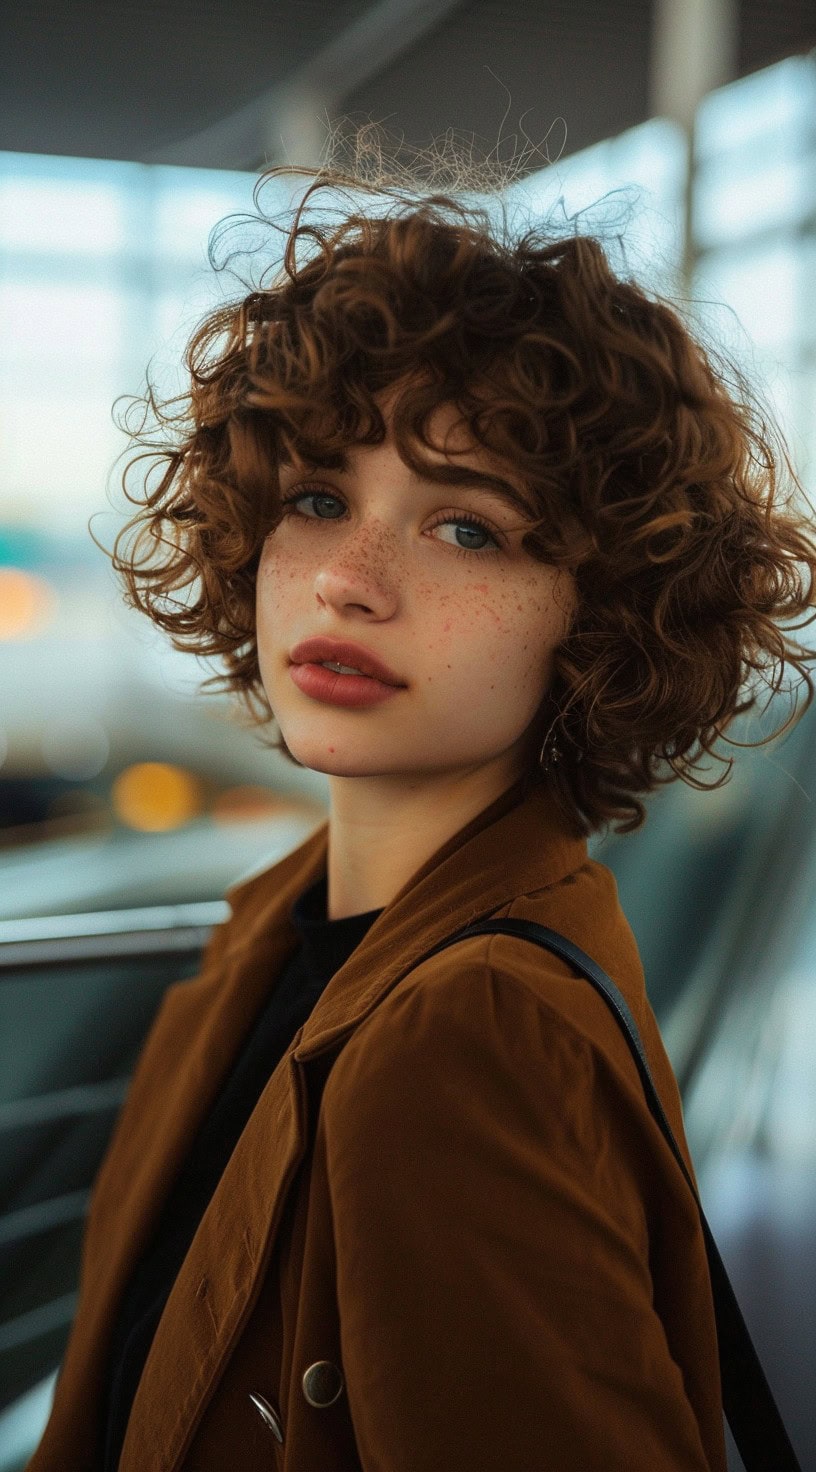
(473,524)
(311,496)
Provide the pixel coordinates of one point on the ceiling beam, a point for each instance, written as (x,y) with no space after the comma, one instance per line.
(694,49)
(288,122)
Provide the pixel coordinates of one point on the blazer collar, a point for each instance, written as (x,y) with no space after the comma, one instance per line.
(519,843)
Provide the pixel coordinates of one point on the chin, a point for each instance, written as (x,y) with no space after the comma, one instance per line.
(352,760)
(347,760)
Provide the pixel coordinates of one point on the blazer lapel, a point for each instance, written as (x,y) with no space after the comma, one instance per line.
(198,1032)
(191,1045)
(516,845)
(214,1290)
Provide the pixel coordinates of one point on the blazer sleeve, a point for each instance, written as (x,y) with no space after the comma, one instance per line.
(495,1299)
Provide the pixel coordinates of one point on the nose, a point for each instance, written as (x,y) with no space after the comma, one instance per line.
(362,573)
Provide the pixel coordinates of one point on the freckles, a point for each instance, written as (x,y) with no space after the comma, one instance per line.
(500,609)
(429,595)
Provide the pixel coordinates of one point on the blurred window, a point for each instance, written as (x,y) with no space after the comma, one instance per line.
(644,173)
(101,264)
(754,222)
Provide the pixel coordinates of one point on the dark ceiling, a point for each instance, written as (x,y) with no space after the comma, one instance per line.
(144,82)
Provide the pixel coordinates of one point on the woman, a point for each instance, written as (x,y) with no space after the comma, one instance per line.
(361,1209)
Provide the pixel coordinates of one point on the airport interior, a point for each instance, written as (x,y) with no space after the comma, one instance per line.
(130,800)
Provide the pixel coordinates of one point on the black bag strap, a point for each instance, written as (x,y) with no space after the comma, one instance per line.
(756,1425)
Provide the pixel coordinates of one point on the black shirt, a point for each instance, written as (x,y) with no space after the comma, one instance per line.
(324,947)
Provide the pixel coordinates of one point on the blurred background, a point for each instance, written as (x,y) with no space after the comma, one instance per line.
(129,801)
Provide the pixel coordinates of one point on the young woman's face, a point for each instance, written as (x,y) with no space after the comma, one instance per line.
(463,616)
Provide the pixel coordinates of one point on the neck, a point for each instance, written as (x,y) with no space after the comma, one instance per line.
(383,829)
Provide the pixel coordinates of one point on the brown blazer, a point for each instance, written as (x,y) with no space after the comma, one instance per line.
(451,1237)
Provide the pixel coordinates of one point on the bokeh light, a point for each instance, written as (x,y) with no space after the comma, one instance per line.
(156,796)
(27,603)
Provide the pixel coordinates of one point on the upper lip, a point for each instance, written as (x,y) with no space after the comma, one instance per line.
(340,651)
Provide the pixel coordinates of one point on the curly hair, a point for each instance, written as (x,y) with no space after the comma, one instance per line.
(647,457)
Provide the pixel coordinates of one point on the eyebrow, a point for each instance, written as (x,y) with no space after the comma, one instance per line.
(482,482)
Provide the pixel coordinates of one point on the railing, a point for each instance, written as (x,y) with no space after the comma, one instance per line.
(43,945)
(52,940)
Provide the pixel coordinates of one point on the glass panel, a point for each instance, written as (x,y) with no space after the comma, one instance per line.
(771,109)
(645,168)
(46,319)
(188,202)
(58,451)
(763,287)
(740,199)
(58,210)
(80,331)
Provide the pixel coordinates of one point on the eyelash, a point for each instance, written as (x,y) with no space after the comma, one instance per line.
(466,518)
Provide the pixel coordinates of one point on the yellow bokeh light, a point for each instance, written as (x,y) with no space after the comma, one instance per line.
(27,604)
(156,796)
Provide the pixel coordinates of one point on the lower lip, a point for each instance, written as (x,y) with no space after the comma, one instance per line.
(337,689)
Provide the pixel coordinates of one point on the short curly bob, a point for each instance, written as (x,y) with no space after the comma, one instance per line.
(652,482)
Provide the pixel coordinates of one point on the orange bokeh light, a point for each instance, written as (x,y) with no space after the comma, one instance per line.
(156,796)
(27,604)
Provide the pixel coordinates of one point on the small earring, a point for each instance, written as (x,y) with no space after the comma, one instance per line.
(550,753)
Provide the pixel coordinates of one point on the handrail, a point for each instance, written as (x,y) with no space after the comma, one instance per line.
(42,1216)
(101,935)
(63,1104)
(35,1322)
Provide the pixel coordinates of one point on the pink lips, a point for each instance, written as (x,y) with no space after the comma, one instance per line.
(338,689)
(341,651)
(375,682)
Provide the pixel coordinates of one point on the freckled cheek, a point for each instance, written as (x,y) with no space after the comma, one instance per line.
(508,635)
(500,615)
(278,583)
(276,593)
(466,630)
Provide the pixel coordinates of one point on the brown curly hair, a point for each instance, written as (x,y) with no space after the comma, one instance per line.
(648,459)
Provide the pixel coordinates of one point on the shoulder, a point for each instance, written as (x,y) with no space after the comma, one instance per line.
(508,991)
(466,1027)
(470,1089)
(494,1027)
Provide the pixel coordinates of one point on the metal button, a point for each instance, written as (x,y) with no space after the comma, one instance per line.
(268,1415)
(322,1383)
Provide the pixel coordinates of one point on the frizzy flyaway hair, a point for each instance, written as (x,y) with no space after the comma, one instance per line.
(651,467)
